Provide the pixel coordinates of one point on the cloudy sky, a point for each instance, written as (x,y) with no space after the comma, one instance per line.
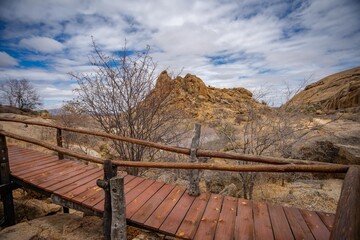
(244,43)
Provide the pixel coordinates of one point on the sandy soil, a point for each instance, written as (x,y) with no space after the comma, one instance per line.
(317,195)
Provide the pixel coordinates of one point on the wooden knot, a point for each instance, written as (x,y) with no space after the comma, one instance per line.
(104,184)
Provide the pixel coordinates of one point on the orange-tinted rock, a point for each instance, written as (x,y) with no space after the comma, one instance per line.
(340,91)
(205,103)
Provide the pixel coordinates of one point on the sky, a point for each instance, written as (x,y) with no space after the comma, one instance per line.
(260,45)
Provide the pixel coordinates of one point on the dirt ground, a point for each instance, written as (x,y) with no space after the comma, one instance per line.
(317,195)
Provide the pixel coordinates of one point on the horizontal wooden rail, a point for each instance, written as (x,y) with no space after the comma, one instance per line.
(204,166)
(186,151)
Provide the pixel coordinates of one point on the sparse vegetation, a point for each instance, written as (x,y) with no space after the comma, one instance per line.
(21,94)
(120,96)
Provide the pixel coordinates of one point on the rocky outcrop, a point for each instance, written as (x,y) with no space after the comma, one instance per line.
(205,103)
(340,91)
(60,226)
(335,142)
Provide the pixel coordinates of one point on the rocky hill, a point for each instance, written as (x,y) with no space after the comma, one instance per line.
(340,91)
(206,103)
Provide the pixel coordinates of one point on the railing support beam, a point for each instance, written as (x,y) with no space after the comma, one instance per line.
(109,172)
(6,196)
(347,218)
(59,141)
(118,206)
(194,189)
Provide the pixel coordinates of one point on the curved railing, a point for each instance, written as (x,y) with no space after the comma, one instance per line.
(347,220)
(279,164)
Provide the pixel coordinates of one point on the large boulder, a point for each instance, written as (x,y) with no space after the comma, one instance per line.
(206,103)
(340,91)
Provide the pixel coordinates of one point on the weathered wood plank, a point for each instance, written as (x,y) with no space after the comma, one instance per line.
(133,183)
(60,178)
(118,207)
(317,227)
(49,170)
(88,190)
(164,209)
(347,218)
(244,224)
(262,222)
(279,223)
(226,225)
(55,174)
(99,207)
(193,217)
(75,181)
(31,162)
(152,204)
(328,219)
(23,158)
(209,220)
(29,169)
(177,214)
(141,199)
(136,191)
(297,223)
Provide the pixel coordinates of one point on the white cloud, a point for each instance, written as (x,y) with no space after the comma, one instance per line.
(41,44)
(262,42)
(34,74)
(6,60)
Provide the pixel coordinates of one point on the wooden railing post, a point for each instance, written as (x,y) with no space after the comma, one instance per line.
(59,141)
(347,218)
(118,205)
(194,189)
(105,184)
(7,197)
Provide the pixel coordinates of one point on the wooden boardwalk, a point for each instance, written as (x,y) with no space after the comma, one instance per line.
(167,208)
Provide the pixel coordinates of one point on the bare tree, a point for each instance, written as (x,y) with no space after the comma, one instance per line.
(121,97)
(253,136)
(20,94)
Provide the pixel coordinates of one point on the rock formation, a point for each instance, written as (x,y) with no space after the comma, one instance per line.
(205,103)
(340,91)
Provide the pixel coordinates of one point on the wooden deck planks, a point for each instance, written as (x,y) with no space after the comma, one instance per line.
(244,223)
(262,222)
(328,219)
(48,169)
(169,209)
(209,220)
(164,209)
(24,160)
(76,181)
(316,225)
(26,170)
(67,174)
(226,224)
(177,214)
(279,222)
(141,199)
(136,191)
(297,223)
(192,219)
(29,162)
(58,174)
(152,204)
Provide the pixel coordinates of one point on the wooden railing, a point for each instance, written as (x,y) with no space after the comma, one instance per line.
(347,221)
